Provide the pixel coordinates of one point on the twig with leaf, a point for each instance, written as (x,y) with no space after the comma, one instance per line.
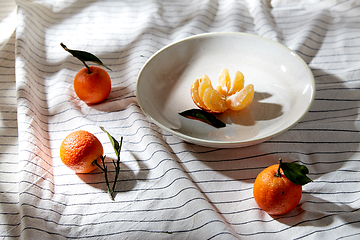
(117,148)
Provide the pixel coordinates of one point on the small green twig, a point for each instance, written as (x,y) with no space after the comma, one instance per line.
(117,165)
(117,148)
(104,169)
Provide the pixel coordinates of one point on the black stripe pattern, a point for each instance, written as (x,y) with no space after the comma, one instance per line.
(169,189)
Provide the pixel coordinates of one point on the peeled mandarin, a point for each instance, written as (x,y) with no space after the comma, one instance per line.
(206,97)
(241,99)
(226,94)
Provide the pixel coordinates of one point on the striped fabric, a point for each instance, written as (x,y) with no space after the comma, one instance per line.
(170,189)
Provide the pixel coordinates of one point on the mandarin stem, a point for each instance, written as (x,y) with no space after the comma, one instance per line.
(117,166)
(106,178)
(107,186)
(104,169)
(88,68)
(95,162)
(116,174)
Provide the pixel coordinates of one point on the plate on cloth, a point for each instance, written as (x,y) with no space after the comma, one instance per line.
(284,87)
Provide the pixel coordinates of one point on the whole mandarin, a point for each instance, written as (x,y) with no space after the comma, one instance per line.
(93,87)
(275,194)
(79,149)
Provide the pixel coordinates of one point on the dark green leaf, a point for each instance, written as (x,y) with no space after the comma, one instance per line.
(114,143)
(84,56)
(295,173)
(203,116)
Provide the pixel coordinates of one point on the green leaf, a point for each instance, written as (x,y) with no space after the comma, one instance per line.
(203,116)
(116,145)
(296,173)
(84,56)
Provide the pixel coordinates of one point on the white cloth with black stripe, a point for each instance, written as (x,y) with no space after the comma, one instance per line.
(169,189)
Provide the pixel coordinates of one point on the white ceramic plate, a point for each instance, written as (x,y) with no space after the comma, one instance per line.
(284,87)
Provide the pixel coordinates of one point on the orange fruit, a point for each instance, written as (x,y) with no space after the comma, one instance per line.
(92,87)
(226,95)
(275,194)
(79,149)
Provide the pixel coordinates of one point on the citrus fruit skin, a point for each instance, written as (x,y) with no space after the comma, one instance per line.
(276,195)
(92,87)
(79,149)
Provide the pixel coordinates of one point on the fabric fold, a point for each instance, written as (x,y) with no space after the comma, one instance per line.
(170,189)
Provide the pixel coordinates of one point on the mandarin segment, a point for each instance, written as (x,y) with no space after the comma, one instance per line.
(241,99)
(237,84)
(204,83)
(213,101)
(195,94)
(224,83)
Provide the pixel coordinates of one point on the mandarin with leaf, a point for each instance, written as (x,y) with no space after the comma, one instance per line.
(274,192)
(92,84)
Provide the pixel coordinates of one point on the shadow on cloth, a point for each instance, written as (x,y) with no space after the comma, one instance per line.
(312,209)
(127,177)
(119,99)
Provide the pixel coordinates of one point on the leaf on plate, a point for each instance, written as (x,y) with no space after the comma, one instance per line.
(84,56)
(296,173)
(203,116)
